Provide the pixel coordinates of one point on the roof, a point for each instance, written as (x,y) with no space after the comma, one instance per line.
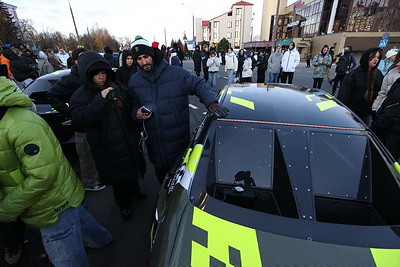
(204,23)
(242,3)
(286,104)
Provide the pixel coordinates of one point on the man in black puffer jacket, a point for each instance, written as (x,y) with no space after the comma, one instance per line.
(164,89)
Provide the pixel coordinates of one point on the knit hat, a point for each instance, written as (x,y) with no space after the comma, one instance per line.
(155,44)
(391,52)
(141,46)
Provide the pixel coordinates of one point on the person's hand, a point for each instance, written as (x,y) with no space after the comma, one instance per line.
(105,92)
(217,110)
(141,115)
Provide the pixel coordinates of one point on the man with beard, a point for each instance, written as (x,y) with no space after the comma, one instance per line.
(159,94)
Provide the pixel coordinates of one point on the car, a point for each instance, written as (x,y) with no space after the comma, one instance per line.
(290,177)
(37,92)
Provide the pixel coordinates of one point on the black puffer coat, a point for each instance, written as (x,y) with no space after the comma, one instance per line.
(165,90)
(386,124)
(354,86)
(197,59)
(112,134)
(124,73)
(20,70)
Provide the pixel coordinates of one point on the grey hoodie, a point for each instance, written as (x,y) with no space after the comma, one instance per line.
(274,62)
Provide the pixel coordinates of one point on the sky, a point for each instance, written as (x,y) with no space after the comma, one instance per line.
(123,18)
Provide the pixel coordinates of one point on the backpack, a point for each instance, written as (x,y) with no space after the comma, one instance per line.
(343,64)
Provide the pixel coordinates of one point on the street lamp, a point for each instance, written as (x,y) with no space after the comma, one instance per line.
(192,18)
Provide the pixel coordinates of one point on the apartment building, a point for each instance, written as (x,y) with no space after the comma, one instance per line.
(313,23)
(234,25)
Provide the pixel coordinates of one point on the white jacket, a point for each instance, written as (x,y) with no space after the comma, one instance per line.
(247,72)
(290,60)
(387,83)
(231,62)
(213,64)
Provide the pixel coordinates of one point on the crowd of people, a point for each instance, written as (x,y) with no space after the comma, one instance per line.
(110,111)
(144,102)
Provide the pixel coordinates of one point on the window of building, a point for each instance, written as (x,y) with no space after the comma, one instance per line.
(229,35)
(312,12)
(229,25)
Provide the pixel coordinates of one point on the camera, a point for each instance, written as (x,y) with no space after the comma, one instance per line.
(114,93)
(146,110)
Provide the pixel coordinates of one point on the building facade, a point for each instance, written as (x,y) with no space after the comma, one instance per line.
(234,26)
(313,23)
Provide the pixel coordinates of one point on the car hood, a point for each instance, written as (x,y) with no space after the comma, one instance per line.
(207,240)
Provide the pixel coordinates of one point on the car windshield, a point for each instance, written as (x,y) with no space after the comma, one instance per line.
(241,164)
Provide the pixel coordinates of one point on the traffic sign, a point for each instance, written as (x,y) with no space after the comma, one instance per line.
(383,43)
(385,35)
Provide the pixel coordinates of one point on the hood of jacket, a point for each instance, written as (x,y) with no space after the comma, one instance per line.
(90,62)
(10,55)
(365,57)
(10,97)
(125,54)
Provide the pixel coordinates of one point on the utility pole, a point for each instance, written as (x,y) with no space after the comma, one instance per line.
(275,25)
(73,19)
(90,39)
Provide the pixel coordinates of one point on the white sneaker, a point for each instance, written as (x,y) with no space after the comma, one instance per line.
(96,188)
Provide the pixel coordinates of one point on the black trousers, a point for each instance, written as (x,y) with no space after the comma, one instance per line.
(338,78)
(317,83)
(124,192)
(287,75)
(260,75)
(205,72)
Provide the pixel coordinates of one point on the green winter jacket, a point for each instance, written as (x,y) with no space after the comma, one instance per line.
(319,69)
(36,180)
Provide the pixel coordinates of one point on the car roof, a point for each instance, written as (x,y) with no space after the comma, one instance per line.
(286,104)
(55,75)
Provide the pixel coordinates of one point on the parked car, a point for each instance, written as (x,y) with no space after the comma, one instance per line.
(37,92)
(290,177)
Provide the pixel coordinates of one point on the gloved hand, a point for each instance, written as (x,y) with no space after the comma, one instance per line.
(217,110)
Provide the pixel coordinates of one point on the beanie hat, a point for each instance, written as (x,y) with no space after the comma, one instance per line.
(390,53)
(141,46)
(155,44)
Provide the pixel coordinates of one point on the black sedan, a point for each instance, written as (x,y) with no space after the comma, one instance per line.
(37,92)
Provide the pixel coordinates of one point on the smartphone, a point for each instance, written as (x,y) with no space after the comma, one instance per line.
(146,110)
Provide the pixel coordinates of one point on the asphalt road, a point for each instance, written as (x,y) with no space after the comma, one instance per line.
(131,245)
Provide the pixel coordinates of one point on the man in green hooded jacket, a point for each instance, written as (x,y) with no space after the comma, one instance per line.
(38,185)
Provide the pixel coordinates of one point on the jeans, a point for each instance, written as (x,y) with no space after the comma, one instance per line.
(64,240)
(273,77)
(230,76)
(213,80)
